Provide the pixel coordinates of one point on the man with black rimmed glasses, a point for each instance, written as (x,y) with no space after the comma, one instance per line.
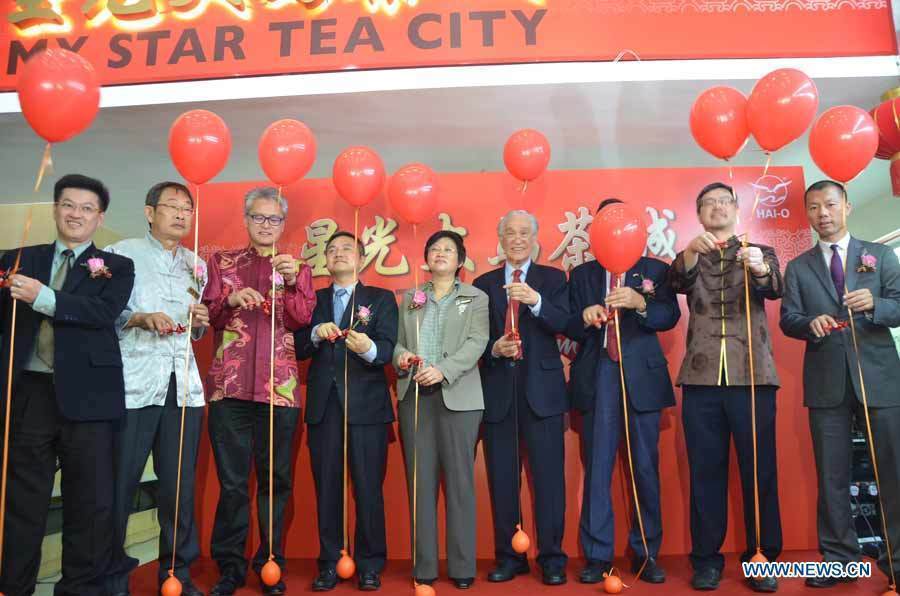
(240,298)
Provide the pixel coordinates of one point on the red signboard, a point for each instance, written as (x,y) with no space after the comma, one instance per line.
(563,201)
(133,41)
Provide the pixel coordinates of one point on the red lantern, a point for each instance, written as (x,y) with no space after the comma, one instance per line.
(887,119)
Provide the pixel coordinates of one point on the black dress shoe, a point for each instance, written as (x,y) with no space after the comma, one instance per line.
(463,583)
(706,579)
(652,573)
(427,582)
(326,580)
(827,582)
(554,576)
(507,570)
(763,584)
(226,586)
(121,594)
(593,572)
(277,590)
(369,581)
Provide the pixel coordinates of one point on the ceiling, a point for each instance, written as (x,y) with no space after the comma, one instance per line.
(589,125)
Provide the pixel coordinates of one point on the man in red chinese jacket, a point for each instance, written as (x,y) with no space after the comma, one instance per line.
(240,300)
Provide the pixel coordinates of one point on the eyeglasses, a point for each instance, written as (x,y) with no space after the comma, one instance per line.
(189,211)
(723,202)
(435,250)
(274,220)
(83,209)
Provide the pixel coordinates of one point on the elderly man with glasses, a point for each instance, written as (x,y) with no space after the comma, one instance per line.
(240,298)
(159,366)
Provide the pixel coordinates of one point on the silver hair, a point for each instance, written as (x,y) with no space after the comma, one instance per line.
(269,193)
(514,213)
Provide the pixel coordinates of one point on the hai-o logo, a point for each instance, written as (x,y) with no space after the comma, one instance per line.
(772,193)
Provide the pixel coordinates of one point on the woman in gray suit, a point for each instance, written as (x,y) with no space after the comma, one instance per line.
(443,332)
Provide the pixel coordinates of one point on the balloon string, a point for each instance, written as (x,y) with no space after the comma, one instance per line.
(272,403)
(765,172)
(347,385)
(744,244)
(46,166)
(415,425)
(637,502)
(187,382)
(869,433)
(524,186)
(9,379)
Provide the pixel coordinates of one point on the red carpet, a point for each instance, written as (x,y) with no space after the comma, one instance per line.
(396,581)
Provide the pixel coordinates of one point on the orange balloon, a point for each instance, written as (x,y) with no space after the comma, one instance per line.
(345,567)
(613,584)
(759,558)
(424,590)
(270,573)
(520,540)
(171,587)
(891,592)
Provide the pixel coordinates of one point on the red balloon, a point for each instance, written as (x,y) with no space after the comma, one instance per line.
(781,107)
(199,145)
(59,94)
(346,566)
(413,192)
(719,121)
(287,150)
(618,237)
(358,175)
(171,587)
(526,154)
(843,141)
(270,573)
(520,540)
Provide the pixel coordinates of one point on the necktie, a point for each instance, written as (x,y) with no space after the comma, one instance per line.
(339,306)
(45,339)
(512,310)
(612,347)
(837,271)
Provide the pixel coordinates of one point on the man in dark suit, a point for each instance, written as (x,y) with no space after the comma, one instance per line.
(839,273)
(67,392)
(647,305)
(354,364)
(525,398)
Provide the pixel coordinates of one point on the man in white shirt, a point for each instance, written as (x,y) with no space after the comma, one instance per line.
(157,356)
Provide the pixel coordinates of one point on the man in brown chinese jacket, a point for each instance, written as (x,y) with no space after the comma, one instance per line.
(715,381)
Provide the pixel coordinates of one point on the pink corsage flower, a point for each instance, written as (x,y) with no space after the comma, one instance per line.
(98,268)
(867,263)
(418,300)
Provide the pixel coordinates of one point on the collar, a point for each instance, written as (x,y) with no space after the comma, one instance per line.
(508,269)
(253,252)
(59,247)
(843,243)
(335,287)
(157,245)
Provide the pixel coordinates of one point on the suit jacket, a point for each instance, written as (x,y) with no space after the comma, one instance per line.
(465,335)
(369,400)
(545,383)
(646,368)
(809,292)
(715,293)
(87,362)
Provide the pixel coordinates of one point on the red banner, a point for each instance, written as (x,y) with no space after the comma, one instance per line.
(563,202)
(134,41)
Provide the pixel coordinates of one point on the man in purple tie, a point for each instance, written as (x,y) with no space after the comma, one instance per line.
(839,275)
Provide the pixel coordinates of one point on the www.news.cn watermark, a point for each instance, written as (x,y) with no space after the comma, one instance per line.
(808,569)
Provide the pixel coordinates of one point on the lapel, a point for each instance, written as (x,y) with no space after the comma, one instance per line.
(42,263)
(409,317)
(453,326)
(357,299)
(817,264)
(854,254)
(535,279)
(79,270)
(497,295)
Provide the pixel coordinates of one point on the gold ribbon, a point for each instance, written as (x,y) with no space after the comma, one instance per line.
(46,166)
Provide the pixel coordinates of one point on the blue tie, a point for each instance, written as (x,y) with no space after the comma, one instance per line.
(339,305)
